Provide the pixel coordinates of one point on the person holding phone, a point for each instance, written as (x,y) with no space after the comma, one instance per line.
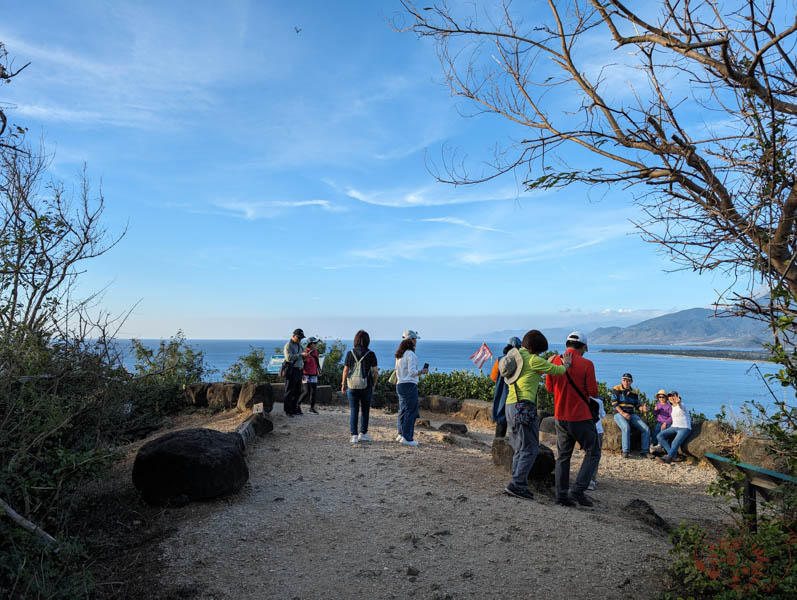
(407,386)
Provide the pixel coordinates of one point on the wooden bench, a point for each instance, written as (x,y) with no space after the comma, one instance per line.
(757,480)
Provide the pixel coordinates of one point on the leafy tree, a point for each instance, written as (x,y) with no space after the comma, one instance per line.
(250,367)
(174,362)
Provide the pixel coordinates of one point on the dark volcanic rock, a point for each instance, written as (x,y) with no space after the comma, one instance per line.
(645,513)
(223,395)
(459,428)
(255,393)
(548,425)
(197,393)
(191,464)
(543,465)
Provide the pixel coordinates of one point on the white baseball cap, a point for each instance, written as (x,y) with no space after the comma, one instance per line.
(410,335)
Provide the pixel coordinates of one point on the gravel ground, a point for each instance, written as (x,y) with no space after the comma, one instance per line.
(322,518)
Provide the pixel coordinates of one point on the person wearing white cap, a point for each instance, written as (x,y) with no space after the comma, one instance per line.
(574,422)
(407,386)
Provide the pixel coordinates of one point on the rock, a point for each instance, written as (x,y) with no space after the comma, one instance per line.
(413,572)
(197,394)
(644,512)
(708,436)
(254,425)
(477,410)
(543,465)
(255,393)
(424,424)
(440,404)
(222,396)
(458,428)
(757,451)
(278,391)
(191,464)
(548,425)
(543,414)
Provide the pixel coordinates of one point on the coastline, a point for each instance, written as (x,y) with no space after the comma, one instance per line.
(738,355)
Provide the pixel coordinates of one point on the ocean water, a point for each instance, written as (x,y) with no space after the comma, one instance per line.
(704,384)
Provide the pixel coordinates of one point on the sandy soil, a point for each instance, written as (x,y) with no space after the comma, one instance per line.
(322,518)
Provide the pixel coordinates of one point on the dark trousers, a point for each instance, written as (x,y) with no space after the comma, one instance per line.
(525,441)
(308,393)
(568,433)
(293,384)
(359,400)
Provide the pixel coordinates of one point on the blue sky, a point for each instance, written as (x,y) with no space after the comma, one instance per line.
(271,179)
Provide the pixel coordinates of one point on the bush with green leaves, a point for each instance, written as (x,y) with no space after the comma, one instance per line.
(250,367)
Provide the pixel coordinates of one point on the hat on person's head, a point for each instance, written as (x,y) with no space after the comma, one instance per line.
(510,366)
(628,376)
(410,335)
(514,341)
(313,340)
(577,336)
(298,332)
(661,393)
(672,393)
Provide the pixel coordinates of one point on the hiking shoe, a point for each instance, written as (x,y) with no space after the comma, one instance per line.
(582,499)
(592,485)
(364,437)
(565,502)
(314,411)
(408,442)
(643,455)
(664,459)
(678,458)
(518,492)
(354,439)
(626,455)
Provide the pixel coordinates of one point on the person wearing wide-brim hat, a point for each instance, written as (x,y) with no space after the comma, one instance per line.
(501,391)
(522,369)
(293,373)
(663,411)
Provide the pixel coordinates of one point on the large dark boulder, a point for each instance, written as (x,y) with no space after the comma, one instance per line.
(543,465)
(324,396)
(255,393)
(458,428)
(191,464)
(643,511)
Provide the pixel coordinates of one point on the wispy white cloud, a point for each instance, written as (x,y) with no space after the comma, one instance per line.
(253,210)
(461,223)
(406,249)
(440,195)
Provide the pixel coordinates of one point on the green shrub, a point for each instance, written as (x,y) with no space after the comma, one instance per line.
(250,367)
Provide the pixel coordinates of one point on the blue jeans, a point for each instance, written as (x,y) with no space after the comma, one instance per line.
(359,399)
(625,427)
(525,441)
(408,409)
(654,437)
(679,433)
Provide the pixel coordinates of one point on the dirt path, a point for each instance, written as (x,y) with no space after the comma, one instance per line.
(322,518)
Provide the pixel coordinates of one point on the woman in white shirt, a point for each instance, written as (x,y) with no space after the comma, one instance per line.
(677,432)
(407,387)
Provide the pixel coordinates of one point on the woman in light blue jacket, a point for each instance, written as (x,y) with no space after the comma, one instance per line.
(407,387)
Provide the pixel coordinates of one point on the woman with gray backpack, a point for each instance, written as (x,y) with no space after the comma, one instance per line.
(360,373)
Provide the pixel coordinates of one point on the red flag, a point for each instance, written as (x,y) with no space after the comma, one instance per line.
(481,356)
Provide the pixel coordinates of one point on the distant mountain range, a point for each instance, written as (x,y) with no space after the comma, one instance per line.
(691,327)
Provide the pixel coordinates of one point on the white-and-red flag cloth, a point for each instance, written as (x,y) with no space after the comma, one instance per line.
(481,356)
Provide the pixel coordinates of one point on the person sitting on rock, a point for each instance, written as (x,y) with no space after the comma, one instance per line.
(574,422)
(625,401)
(500,393)
(677,432)
(662,410)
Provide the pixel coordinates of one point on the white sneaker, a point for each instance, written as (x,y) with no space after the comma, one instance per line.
(410,443)
(399,438)
(592,485)
(364,437)
(354,439)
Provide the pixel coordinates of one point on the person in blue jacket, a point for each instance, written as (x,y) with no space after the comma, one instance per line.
(500,393)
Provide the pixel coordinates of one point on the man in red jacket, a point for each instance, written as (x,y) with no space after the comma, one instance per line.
(574,421)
